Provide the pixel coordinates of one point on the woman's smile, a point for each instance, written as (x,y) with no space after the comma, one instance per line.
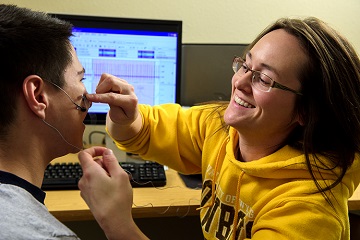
(242,102)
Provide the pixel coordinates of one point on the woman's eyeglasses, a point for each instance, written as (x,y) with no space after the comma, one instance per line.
(259,80)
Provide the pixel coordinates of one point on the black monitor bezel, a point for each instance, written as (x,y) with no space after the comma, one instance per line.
(128,24)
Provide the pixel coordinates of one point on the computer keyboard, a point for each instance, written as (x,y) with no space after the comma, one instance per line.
(65,176)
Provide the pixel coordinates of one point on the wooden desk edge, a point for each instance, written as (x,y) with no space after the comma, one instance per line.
(137,212)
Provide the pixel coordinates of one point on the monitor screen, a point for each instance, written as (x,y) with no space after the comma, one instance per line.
(144,52)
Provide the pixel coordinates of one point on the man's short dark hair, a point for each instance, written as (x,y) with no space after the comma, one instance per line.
(31,42)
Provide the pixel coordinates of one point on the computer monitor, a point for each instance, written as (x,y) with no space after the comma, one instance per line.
(144,52)
(206,71)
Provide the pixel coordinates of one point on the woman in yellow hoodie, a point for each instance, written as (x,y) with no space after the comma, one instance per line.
(279,161)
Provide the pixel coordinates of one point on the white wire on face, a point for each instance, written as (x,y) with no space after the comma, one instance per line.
(61,135)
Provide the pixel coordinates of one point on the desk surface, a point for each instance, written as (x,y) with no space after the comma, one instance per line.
(174,199)
(354,201)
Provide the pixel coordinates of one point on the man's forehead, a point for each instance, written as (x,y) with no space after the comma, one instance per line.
(76,65)
(75,70)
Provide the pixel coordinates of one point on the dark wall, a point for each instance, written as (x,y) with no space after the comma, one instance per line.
(206,71)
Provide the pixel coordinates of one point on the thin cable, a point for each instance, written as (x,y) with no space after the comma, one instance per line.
(94,132)
(161,188)
(61,135)
(148,182)
(178,208)
(83,97)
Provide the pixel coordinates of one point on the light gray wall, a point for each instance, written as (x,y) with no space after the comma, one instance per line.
(214,21)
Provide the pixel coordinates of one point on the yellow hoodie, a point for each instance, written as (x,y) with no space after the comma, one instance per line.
(269,198)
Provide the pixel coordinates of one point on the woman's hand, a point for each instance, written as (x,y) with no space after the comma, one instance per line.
(120,96)
(123,120)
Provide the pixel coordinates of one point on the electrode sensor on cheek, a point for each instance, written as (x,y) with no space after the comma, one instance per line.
(78,107)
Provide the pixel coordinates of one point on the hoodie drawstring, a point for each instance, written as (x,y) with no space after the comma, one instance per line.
(237,199)
(213,189)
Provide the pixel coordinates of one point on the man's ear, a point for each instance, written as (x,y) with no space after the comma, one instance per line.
(33,89)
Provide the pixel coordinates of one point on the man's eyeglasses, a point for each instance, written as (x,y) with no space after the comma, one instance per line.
(259,80)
